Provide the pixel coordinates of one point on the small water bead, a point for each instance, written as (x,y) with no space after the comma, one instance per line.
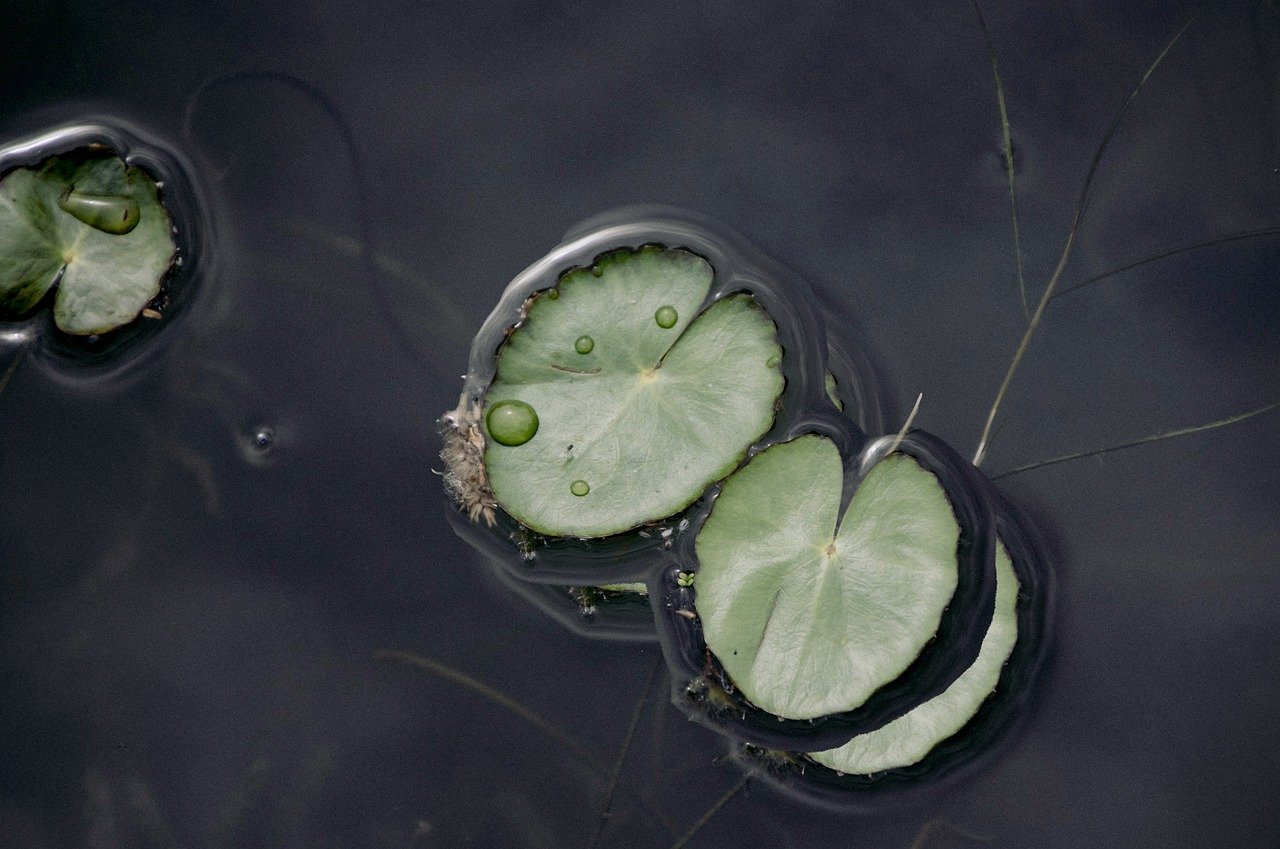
(584,345)
(553,294)
(114,215)
(579,488)
(666,317)
(772,362)
(511,422)
(264,438)
(597,271)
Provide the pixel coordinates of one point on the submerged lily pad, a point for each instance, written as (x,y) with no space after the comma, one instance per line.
(91,225)
(634,426)
(808,614)
(909,738)
(833,390)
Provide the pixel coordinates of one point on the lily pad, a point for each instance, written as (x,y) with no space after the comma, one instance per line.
(808,614)
(633,427)
(91,225)
(908,739)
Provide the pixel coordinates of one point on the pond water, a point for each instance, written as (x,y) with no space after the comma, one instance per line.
(233,611)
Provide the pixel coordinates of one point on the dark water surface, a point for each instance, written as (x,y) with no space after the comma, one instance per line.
(189,619)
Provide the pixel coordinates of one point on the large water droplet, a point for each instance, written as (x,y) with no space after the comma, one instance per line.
(579,488)
(114,215)
(666,317)
(511,422)
(584,344)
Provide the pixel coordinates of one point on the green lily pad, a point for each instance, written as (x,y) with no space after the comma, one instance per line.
(91,225)
(809,615)
(633,427)
(910,737)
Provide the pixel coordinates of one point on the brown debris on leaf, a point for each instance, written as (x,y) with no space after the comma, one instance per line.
(463,454)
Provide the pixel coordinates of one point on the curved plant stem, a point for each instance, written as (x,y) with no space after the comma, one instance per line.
(906,426)
(607,808)
(1008,155)
(407,342)
(492,695)
(1081,205)
(712,811)
(1208,243)
(1185,431)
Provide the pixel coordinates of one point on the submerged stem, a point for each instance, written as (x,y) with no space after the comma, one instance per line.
(498,698)
(712,811)
(927,830)
(1008,155)
(13,367)
(1184,431)
(1208,243)
(607,808)
(1081,205)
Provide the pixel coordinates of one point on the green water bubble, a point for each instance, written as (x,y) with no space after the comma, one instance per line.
(114,215)
(584,344)
(579,488)
(666,317)
(511,422)
(553,294)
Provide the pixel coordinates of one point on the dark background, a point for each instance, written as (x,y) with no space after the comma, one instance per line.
(188,622)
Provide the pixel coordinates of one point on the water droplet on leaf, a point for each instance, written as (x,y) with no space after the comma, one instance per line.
(666,317)
(584,344)
(773,361)
(511,422)
(114,215)
(553,294)
(579,488)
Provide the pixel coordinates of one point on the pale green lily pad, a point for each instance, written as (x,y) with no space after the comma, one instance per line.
(105,277)
(910,737)
(635,426)
(808,616)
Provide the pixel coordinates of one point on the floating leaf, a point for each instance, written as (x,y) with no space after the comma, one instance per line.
(810,616)
(92,226)
(909,738)
(634,426)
